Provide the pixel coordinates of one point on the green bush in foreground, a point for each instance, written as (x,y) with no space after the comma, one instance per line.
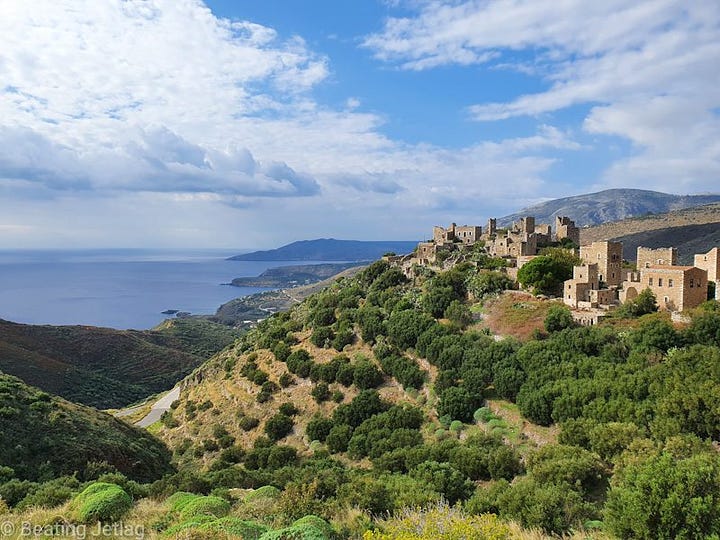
(101,502)
(205,506)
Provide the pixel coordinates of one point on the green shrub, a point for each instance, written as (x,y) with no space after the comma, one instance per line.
(339,438)
(207,505)
(263,492)
(366,375)
(101,501)
(177,501)
(278,426)
(248,423)
(318,428)
(286,380)
(320,392)
(316,522)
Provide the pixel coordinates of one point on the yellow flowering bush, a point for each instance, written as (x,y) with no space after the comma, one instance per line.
(440,522)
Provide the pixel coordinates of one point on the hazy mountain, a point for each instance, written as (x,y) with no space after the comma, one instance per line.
(329,249)
(609,205)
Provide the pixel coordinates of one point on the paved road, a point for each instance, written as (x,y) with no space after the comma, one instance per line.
(159,407)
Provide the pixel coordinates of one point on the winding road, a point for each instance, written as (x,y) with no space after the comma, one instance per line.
(159,407)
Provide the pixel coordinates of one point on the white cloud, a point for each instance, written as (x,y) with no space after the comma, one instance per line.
(648,68)
(164,107)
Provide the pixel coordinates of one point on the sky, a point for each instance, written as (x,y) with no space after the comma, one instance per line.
(228,124)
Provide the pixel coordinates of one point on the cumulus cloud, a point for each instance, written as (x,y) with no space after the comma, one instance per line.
(114,108)
(648,69)
(140,95)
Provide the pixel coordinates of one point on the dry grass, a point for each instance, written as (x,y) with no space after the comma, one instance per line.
(519,432)
(515,313)
(232,393)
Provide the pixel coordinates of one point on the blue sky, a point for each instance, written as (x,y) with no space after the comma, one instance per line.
(171,123)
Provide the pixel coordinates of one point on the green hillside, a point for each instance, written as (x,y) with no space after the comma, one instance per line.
(108,368)
(383,394)
(43,437)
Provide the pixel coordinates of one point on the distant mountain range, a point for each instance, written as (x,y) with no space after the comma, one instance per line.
(609,205)
(329,249)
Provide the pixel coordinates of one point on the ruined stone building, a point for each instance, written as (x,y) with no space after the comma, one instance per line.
(584,289)
(647,257)
(565,228)
(676,288)
(464,234)
(710,262)
(608,256)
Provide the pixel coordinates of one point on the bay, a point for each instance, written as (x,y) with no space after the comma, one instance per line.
(118,288)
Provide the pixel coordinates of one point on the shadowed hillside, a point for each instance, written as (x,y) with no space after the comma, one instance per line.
(108,368)
(43,436)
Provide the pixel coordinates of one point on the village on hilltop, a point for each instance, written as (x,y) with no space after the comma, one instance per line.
(599,284)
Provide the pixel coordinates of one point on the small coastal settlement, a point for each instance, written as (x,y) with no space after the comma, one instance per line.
(599,284)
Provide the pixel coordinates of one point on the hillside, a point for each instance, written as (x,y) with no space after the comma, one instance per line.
(293,276)
(384,393)
(691,230)
(43,436)
(244,312)
(609,206)
(329,249)
(107,368)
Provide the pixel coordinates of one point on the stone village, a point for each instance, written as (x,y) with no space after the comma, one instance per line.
(597,286)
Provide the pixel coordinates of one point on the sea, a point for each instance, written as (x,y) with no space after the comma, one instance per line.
(119,288)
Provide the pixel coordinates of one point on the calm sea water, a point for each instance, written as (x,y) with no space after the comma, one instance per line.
(118,288)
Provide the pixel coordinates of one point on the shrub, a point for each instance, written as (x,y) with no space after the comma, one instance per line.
(282,351)
(321,392)
(440,521)
(663,497)
(318,428)
(208,505)
(233,527)
(288,409)
(545,274)
(366,375)
(458,404)
(299,363)
(405,327)
(558,318)
(102,502)
(338,438)
(322,336)
(553,508)
(344,336)
(345,374)
(248,423)
(458,314)
(444,479)
(263,492)
(286,380)
(278,426)
(367,493)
